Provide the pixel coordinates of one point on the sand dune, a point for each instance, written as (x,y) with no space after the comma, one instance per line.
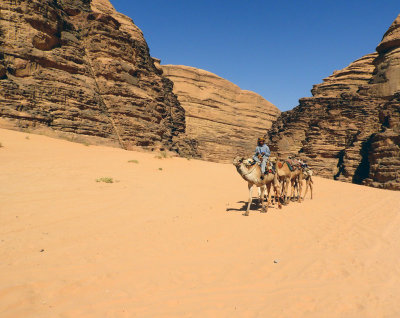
(174,243)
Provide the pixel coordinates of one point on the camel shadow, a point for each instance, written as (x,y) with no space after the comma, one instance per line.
(255,205)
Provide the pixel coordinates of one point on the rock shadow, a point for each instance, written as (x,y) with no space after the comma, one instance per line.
(362,171)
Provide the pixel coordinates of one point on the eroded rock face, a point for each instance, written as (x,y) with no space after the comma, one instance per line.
(349,130)
(78,66)
(384,152)
(222,117)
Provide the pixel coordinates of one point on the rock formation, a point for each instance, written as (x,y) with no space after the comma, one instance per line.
(80,67)
(223,118)
(349,130)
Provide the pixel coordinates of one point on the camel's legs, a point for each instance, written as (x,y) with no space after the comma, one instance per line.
(283,186)
(259,192)
(250,186)
(302,189)
(267,188)
(277,195)
(286,197)
(296,189)
(292,190)
(300,184)
(308,185)
(283,190)
(263,207)
(270,200)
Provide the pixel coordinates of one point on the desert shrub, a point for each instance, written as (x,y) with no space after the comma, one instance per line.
(105,179)
(133,161)
(162,155)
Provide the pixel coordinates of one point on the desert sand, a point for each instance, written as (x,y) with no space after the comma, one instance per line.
(168,239)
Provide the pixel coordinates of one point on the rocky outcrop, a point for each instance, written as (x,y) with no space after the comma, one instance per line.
(384,152)
(386,78)
(349,129)
(223,118)
(78,66)
(348,80)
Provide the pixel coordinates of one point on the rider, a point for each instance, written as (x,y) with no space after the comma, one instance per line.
(262,154)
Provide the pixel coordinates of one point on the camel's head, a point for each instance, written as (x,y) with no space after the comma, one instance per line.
(237,161)
(307,172)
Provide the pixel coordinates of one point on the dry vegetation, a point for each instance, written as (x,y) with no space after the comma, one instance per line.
(162,155)
(105,180)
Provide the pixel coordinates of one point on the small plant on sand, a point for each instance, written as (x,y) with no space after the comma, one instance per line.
(160,169)
(133,161)
(162,155)
(26,130)
(27,137)
(1,145)
(105,179)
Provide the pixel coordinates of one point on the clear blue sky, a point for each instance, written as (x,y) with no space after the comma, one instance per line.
(277,49)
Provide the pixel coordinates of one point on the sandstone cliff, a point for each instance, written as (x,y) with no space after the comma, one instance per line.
(223,118)
(349,130)
(80,67)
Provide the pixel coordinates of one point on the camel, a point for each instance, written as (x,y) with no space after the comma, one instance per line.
(296,177)
(307,176)
(307,172)
(252,174)
(286,176)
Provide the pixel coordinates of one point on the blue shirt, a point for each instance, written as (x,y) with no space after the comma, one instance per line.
(263,151)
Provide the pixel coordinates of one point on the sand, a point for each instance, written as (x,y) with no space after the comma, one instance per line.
(167,239)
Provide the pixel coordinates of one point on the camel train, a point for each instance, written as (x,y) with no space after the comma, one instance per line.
(278,176)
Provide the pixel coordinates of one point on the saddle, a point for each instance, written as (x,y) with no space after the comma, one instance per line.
(295,164)
(291,168)
(268,169)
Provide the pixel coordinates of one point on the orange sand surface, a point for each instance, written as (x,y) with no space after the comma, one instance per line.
(174,243)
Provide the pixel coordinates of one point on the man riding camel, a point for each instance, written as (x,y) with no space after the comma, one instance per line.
(262,154)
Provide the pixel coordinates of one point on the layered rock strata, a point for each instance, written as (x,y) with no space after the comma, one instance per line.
(349,130)
(384,149)
(78,66)
(223,118)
